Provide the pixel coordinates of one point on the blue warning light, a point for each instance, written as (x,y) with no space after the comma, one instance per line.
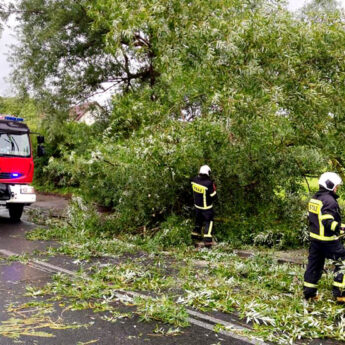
(11,118)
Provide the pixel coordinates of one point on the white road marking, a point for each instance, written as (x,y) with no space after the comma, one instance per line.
(122,296)
(198,315)
(211,319)
(53,267)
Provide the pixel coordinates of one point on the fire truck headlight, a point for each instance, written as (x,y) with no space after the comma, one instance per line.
(27,190)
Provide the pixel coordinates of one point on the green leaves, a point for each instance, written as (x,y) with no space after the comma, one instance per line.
(164,309)
(5,11)
(240,85)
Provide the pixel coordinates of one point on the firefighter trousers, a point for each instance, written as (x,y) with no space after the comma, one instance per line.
(318,252)
(200,232)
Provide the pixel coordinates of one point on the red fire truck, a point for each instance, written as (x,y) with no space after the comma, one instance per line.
(16,165)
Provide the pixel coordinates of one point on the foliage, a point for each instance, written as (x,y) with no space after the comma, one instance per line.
(174,232)
(32,319)
(22,107)
(61,166)
(240,85)
(258,290)
(5,11)
(126,175)
(164,309)
(83,233)
(320,6)
(63,52)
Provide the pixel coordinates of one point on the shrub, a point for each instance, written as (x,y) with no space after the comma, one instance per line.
(174,232)
(145,179)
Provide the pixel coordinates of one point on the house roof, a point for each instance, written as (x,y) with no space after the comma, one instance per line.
(78,111)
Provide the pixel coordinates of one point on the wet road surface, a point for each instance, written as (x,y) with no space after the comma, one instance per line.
(15,277)
(17,324)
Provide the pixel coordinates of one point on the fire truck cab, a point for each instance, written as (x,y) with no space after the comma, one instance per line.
(16,166)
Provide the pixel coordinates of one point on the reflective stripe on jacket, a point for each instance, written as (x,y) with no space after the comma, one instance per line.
(204,192)
(324,216)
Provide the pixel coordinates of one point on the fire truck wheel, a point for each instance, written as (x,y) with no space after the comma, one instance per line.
(15,211)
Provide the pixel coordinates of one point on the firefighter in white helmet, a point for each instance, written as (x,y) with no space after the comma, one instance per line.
(204,192)
(325,227)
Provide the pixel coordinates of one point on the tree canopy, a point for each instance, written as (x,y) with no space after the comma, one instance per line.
(322,5)
(69,54)
(5,11)
(244,86)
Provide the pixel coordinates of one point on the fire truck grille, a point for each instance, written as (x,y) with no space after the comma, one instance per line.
(8,176)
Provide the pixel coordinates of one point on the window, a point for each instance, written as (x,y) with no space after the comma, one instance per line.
(17,145)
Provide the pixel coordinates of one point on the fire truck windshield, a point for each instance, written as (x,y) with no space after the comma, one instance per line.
(14,145)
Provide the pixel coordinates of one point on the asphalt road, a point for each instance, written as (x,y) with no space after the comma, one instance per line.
(15,277)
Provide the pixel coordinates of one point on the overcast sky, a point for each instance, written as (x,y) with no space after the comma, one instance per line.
(8,38)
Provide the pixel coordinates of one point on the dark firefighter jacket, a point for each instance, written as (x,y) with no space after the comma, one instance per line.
(324,216)
(204,192)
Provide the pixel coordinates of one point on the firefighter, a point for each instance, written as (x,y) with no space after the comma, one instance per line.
(204,192)
(325,227)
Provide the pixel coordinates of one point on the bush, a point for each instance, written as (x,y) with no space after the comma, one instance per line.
(145,180)
(174,232)
(63,166)
(260,87)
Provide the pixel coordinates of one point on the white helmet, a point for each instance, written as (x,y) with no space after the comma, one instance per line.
(205,169)
(330,180)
